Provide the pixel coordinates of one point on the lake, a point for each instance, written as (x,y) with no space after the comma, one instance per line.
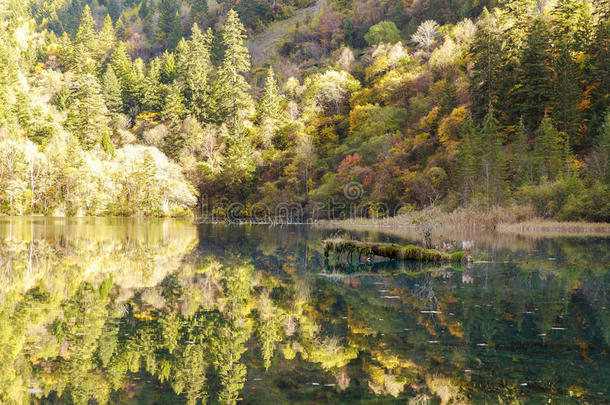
(151,311)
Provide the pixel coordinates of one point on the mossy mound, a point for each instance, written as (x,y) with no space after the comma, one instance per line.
(390,251)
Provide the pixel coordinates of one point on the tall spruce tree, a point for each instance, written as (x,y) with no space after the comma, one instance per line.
(492,159)
(85,44)
(88,116)
(547,150)
(197,70)
(566,93)
(170,26)
(123,68)
(173,113)
(176,33)
(151,89)
(9,73)
(112,91)
(199,13)
(602,150)
(269,103)
(86,34)
(467,167)
(522,158)
(231,88)
(107,38)
(487,54)
(535,79)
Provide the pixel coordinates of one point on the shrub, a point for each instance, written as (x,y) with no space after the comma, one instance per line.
(385,31)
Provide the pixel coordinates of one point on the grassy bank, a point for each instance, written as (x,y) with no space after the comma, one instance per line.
(548,227)
(517,220)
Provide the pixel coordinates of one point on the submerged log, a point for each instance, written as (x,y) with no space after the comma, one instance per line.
(390,251)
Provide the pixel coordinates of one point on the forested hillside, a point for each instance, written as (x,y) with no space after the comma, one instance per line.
(152,107)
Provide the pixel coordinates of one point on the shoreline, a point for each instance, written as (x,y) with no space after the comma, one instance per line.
(539,228)
(443,223)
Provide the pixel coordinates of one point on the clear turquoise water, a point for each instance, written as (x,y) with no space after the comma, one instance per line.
(163,312)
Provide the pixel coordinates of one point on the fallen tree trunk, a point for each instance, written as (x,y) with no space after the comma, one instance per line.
(390,251)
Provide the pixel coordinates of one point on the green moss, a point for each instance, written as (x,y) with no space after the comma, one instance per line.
(390,251)
(458,256)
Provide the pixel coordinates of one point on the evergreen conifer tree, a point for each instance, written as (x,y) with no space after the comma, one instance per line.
(173,113)
(534,93)
(269,103)
(231,88)
(493,163)
(197,70)
(547,150)
(487,53)
(522,159)
(467,168)
(567,94)
(107,37)
(112,91)
(88,116)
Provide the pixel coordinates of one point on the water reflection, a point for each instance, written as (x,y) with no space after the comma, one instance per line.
(128,311)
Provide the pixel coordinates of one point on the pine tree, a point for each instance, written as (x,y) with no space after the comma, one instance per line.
(547,150)
(123,68)
(107,145)
(86,34)
(169,70)
(467,167)
(151,91)
(487,54)
(269,103)
(88,116)
(573,24)
(522,160)
(173,113)
(197,69)
(199,12)
(112,91)
(598,73)
(535,78)
(602,150)
(567,94)
(120,29)
(231,88)
(176,33)
(167,22)
(448,99)
(493,164)
(568,156)
(85,43)
(107,37)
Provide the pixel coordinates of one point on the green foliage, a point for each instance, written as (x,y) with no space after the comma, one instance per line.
(269,103)
(383,32)
(112,91)
(535,82)
(569,199)
(197,71)
(547,151)
(486,77)
(231,88)
(88,116)
(464,113)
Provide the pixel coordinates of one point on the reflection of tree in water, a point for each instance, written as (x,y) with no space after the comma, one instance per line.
(424,291)
(109,322)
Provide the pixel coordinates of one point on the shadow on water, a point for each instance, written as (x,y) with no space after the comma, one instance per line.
(165,312)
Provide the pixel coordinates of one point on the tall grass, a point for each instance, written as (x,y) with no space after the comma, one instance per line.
(462,218)
(518,219)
